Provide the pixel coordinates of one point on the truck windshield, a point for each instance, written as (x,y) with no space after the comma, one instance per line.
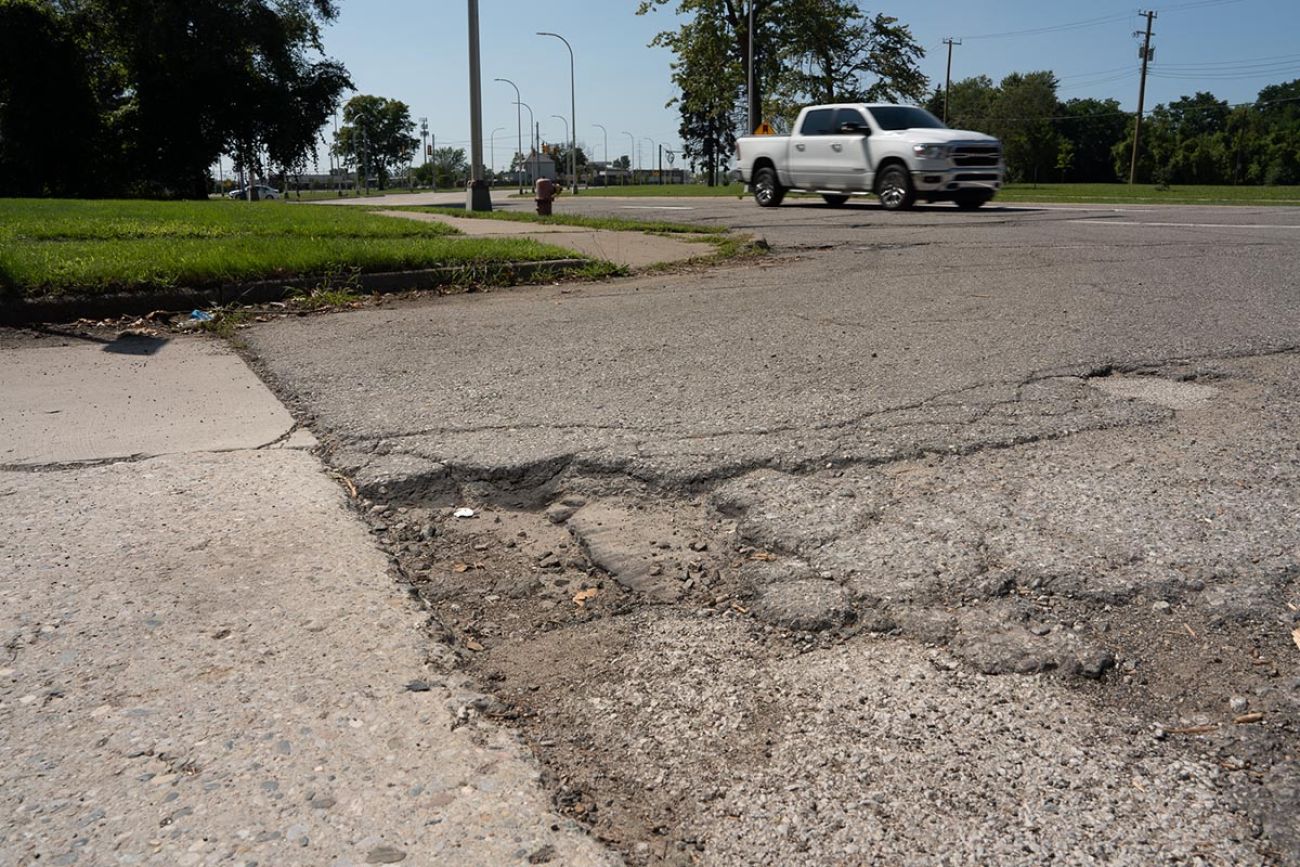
(896,117)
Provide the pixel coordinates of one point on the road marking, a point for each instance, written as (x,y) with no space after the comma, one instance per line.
(657,207)
(1190,225)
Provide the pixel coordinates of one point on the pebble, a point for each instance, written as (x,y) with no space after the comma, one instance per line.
(1239,704)
(1161,607)
(385,855)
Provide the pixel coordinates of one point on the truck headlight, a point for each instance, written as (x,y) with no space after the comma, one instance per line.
(930,151)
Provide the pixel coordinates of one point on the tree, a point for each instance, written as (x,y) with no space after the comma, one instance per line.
(173,84)
(1092,126)
(831,51)
(803,50)
(377,136)
(971,102)
(49,124)
(450,167)
(1022,118)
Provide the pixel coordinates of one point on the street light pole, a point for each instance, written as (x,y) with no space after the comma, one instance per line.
(492,145)
(478,197)
(573,111)
(561,119)
(424,139)
(532,125)
(519,115)
(631,149)
(652,151)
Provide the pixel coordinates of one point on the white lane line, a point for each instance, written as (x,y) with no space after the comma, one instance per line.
(656,207)
(1189,225)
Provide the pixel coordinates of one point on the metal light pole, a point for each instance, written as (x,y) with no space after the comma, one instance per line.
(519,115)
(631,150)
(573,111)
(652,151)
(532,139)
(477,197)
(424,139)
(492,146)
(604,132)
(561,119)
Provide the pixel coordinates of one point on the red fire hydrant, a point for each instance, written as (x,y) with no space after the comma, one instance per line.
(544,190)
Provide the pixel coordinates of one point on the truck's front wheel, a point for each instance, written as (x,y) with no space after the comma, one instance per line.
(768,191)
(895,189)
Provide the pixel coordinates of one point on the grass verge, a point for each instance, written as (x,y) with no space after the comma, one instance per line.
(611,224)
(63,247)
(1147,194)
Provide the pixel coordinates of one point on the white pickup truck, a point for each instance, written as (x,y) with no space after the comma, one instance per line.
(898,152)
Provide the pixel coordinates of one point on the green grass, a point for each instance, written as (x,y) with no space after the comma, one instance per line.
(63,247)
(613,224)
(1147,194)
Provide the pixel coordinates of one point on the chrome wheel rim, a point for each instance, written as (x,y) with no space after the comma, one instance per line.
(764,191)
(892,193)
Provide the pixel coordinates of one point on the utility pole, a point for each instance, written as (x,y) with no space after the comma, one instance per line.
(749,71)
(947,81)
(1147,53)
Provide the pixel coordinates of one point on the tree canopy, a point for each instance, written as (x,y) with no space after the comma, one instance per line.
(144,95)
(377,136)
(805,51)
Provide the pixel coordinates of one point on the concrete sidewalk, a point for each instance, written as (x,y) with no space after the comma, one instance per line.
(204,658)
(629,249)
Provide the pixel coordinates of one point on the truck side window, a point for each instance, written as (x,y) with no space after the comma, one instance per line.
(818,122)
(849,115)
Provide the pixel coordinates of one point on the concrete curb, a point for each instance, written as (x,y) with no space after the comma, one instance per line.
(68,308)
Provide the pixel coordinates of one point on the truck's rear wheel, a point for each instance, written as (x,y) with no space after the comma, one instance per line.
(768,191)
(834,201)
(895,189)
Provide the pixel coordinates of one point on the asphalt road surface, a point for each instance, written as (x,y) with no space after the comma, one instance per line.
(929,535)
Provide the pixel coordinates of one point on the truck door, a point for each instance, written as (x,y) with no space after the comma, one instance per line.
(810,150)
(848,154)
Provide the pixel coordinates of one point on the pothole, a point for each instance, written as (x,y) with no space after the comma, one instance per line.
(762,669)
(1171,394)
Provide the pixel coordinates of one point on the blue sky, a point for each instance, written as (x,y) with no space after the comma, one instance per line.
(415,51)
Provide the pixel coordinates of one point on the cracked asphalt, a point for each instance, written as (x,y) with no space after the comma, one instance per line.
(1021,476)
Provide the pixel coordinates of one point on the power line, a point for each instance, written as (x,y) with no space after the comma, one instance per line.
(1055,28)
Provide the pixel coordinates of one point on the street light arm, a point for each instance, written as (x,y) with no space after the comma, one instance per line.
(573,109)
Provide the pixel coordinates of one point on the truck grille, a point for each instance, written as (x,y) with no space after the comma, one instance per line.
(977,155)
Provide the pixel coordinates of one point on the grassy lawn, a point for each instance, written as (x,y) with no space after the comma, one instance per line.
(66,247)
(613,224)
(1146,194)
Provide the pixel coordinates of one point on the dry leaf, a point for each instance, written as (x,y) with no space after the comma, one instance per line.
(1295,636)
(762,555)
(473,645)
(583,595)
(1248,718)
(460,567)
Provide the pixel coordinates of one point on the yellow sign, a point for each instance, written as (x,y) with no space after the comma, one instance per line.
(764,128)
